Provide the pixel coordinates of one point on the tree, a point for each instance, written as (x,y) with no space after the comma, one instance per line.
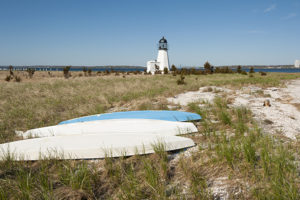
(239,69)
(207,67)
(251,70)
(173,68)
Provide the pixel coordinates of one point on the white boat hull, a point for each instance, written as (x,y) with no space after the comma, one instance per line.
(115,126)
(91,146)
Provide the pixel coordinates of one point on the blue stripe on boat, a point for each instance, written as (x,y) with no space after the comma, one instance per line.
(147,114)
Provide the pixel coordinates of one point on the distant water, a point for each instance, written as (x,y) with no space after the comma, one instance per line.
(282,70)
(124,69)
(77,69)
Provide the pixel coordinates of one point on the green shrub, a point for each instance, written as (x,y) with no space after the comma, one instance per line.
(30,72)
(243,72)
(181,81)
(18,79)
(263,73)
(11,73)
(66,71)
(8,78)
(166,71)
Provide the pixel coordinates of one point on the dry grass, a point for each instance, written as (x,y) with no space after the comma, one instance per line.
(229,143)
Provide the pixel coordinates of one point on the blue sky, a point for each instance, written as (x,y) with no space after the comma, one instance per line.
(126,32)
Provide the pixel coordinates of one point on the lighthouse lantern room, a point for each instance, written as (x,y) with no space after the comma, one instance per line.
(163,44)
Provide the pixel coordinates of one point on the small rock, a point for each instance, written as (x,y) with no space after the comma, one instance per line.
(267,121)
(267,103)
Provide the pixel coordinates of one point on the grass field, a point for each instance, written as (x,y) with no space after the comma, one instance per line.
(230,144)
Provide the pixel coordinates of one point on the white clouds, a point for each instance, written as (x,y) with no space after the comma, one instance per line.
(270,8)
(274,6)
(289,16)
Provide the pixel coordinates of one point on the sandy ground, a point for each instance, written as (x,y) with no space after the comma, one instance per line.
(282,117)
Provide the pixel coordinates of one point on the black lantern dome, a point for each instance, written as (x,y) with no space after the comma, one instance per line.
(163,44)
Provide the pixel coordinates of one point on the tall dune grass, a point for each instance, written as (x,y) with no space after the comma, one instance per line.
(230,145)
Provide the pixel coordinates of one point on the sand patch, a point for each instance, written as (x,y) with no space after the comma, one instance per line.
(204,94)
(282,117)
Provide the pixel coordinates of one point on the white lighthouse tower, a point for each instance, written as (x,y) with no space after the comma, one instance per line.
(162,61)
(162,56)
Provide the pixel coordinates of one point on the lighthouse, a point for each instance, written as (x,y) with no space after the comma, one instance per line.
(162,61)
(162,56)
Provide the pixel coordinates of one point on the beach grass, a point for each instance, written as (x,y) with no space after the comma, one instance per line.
(43,101)
(231,146)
